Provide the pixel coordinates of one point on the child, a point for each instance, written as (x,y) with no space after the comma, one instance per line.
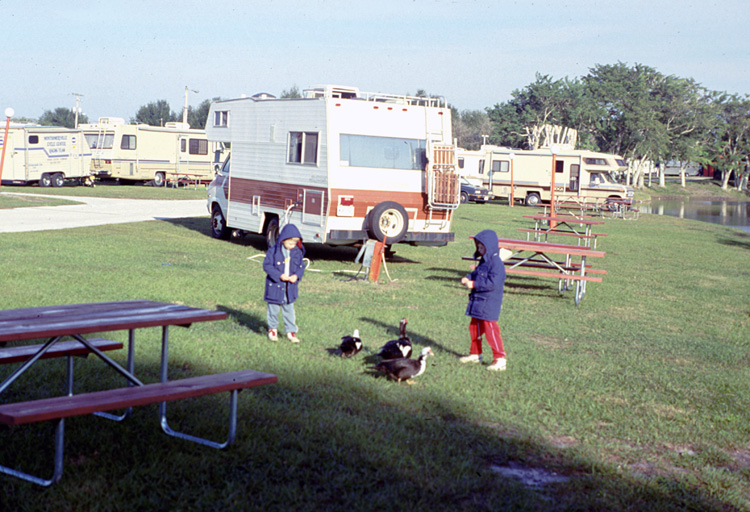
(486,283)
(284,268)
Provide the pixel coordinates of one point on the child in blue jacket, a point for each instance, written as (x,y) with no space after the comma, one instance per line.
(284,267)
(486,283)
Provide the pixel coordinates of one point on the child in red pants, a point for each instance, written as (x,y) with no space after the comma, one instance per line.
(486,283)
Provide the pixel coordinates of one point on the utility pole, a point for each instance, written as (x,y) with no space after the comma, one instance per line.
(185,110)
(78,107)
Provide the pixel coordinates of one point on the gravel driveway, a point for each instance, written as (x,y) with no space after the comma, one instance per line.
(95,211)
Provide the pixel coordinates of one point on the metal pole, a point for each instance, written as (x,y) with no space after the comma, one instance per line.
(8,114)
(511,198)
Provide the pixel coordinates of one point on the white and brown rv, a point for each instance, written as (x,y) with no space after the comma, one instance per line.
(155,154)
(342,165)
(47,155)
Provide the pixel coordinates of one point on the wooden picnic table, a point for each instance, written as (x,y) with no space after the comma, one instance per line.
(564,225)
(78,320)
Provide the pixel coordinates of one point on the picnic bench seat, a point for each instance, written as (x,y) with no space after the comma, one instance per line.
(61,407)
(21,353)
(563,233)
(556,275)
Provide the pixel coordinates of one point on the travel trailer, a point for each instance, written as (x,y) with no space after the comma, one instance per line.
(47,155)
(343,165)
(581,173)
(154,154)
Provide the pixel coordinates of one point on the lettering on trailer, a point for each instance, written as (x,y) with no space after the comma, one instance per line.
(55,143)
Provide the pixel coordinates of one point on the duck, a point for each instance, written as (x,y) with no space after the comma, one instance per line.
(399,348)
(350,344)
(404,368)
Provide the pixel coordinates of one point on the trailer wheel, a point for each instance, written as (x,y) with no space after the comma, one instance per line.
(219,224)
(45,180)
(58,180)
(387,220)
(272,232)
(533,199)
(158,180)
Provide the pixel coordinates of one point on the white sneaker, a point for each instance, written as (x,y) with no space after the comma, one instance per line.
(498,365)
(471,358)
(273,335)
(292,337)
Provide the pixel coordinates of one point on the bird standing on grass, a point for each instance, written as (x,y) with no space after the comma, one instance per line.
(398,348)
(350,345)
(404,368)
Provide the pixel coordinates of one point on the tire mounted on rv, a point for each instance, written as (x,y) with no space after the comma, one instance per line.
(387,220)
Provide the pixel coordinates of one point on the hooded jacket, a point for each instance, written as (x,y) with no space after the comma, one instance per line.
(273,264)
(486,298)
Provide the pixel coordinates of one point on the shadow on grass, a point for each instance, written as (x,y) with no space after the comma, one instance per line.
(322,441)
(740,239)
(416,338)
(248,320)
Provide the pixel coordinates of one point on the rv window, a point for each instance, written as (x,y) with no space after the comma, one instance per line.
(460,163)
(382,152)
(100,141)
(481,167)
(221,118)
(183,143)
(500,166)
(303,148)
(595,161)
(33,139)
(198,146)
(128,142)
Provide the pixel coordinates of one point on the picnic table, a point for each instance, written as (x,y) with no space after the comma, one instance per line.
(185,179)
(77,321)
(563,225)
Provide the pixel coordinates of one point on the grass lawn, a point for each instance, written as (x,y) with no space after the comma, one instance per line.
(635,400)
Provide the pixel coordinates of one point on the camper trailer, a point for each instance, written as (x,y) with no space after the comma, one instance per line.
(152,154)
(47,155)
(581,173)
(343,165)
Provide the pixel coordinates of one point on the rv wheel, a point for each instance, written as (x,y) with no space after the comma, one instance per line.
(218,224)
(272,231)
(387,220)
(45,180)
(158,179)
(58,180)
(533,199)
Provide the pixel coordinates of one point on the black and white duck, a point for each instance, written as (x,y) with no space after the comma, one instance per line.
(398,348)
(404,368)
(350,345)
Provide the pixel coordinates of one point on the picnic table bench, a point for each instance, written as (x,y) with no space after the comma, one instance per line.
(74,321)
(186,179)
(620,208)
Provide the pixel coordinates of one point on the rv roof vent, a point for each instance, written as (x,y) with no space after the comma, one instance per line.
(111,120)
(177,126)
(331,91)
(264,96)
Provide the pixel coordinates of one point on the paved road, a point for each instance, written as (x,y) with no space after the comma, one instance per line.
(95,211)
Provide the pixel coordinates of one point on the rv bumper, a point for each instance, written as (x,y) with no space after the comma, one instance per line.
(101,173)
(343,236)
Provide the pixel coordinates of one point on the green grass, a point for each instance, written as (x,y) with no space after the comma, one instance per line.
(112,190)
(638,396)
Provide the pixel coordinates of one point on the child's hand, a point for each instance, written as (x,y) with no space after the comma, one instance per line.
(293,278)
(284,277)
(467,283)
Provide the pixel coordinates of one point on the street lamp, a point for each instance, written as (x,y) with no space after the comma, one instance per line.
(555,149)
(8,114)
(185,110)
(511,199)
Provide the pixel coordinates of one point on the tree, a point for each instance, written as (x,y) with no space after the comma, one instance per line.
(61,117)
(156,113)
(470,127)
(292,92)
(197,116)
(732,138)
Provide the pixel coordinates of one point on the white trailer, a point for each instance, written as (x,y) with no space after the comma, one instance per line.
(342,165)
(47,155)
(580,173)
(155,154)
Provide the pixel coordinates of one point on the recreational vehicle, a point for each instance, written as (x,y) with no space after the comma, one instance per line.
(581,173)
(47,155)
(342,165)
(139,152)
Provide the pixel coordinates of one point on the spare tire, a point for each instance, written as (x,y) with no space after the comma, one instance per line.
(388,220)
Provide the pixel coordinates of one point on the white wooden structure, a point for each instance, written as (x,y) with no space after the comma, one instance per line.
(343,165)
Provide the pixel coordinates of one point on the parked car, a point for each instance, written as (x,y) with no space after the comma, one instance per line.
(473,191)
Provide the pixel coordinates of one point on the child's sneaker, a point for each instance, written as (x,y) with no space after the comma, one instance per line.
(471,358)
(273,335)
(498,365)
(292,337)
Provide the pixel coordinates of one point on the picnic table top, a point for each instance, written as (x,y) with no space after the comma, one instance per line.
(565,218)
(70,319)
(547,247)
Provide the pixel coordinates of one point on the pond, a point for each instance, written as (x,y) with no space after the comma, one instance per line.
(734,214)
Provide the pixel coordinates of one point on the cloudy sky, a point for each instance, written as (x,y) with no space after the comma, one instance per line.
(122,55)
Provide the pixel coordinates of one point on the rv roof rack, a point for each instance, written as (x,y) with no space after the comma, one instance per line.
(334,91)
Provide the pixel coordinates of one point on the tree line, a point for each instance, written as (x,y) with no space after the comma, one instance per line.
(629,110)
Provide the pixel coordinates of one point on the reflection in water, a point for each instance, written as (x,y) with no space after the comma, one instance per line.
(727,213)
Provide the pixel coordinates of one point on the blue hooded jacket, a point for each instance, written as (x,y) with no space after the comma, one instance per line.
(278,291)
(486,298)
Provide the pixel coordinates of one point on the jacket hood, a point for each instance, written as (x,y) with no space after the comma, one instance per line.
(289,231)
(489,240)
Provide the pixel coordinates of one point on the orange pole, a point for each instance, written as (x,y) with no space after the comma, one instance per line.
(552,223)
(5,144)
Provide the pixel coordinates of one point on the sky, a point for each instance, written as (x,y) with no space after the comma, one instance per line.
(121,55)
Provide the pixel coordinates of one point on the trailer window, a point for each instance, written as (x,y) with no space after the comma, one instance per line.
(595,161)
(382,152)
(500,166)
(221,118)
(303,148)
(128,142)
(100,141)
(33,139)
(198,147)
